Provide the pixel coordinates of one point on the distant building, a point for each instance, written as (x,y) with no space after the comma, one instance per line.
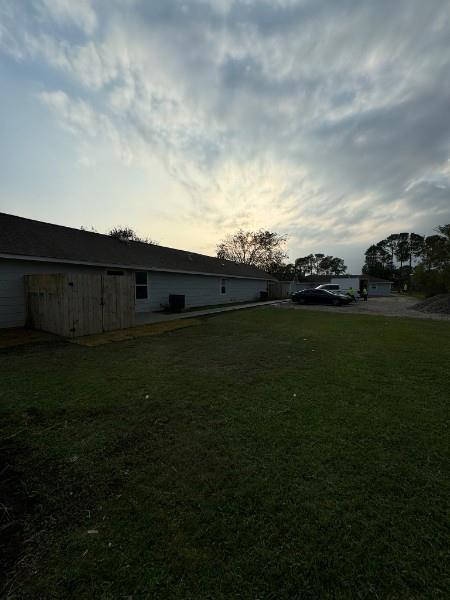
(375,285)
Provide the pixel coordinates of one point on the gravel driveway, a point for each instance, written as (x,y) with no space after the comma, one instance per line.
(391,306)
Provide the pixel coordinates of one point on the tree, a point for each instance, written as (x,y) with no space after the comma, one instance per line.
(390,244)
(402,249)
(337,266)
(283,272)
(378,261)
(317,260)
(416,247)
(436,252)
(444,231)
(263,249)
(431,255)
(320,265)
(325,265)
(301,266)
(127,234)
(311,263)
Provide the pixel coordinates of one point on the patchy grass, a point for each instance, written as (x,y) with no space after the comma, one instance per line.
(120,335)
(263,454)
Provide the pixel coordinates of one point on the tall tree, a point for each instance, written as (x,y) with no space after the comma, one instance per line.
(311,263)
(378,261)
(318,257)
(371,255)
(320,264)
(416,247)
(436,252)
(262,249)
(337,266)
(402,249)
(302,265)
(325,265)
(391,243)
(127,234)
(383,255)
(283,272)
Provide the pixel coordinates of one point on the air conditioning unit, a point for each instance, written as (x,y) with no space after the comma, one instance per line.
(177,302)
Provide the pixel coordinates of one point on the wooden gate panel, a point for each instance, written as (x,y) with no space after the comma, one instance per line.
(118,301)
(46,300)
(79,304)
(86,307)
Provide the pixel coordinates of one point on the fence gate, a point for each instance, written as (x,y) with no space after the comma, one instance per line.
(118,302)
(279,290)
(77,304)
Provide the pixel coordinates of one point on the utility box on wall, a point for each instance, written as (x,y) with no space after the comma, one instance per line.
(73,305)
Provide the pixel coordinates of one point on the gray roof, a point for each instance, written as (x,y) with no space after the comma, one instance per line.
(35,239)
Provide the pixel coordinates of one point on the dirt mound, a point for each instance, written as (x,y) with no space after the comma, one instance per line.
(435,304)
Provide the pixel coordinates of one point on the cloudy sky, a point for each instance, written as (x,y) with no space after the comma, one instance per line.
(325,120)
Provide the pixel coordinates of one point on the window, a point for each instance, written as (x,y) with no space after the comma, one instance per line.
(141,285)
(223,286)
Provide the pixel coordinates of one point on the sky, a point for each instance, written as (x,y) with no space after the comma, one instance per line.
(327,121)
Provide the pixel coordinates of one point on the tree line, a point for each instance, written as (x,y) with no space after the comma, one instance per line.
(421,262)
(266,250)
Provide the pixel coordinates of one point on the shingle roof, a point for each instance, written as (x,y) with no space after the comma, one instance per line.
(25,237)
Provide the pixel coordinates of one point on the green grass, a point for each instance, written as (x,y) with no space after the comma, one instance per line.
(265,454)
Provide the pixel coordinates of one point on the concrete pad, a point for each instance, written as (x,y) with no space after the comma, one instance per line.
(160,317)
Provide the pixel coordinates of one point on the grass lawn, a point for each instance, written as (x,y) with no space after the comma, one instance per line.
(262,454)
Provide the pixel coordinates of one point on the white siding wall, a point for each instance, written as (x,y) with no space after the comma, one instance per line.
(200,290)
(379,289)
(346,283)
(12,293)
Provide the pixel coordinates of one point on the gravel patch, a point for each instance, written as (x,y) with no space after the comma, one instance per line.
(439,304)
(395,305)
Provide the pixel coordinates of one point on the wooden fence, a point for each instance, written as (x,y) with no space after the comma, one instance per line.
(72,305)
(279,290)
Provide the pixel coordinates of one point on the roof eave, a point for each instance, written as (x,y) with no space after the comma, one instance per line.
(130,267)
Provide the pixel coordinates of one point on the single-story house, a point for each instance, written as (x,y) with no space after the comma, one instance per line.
(30,247)
(375,285)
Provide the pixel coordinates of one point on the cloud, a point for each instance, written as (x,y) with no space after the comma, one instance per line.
(79,13)
(329,121)
(82,121)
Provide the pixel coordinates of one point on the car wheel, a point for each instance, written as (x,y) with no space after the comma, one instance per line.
(301,301)
(336,302)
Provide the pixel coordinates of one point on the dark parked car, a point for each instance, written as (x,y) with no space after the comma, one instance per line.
(320,297)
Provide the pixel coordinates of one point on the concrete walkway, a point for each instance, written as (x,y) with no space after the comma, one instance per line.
(145,318)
